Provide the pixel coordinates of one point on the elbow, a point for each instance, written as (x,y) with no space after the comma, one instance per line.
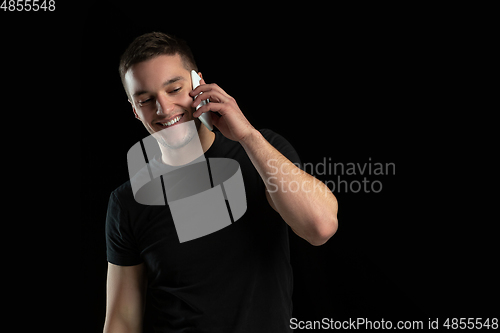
(324,230)
(325,224)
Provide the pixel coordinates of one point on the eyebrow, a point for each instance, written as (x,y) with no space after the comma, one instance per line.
(166,83)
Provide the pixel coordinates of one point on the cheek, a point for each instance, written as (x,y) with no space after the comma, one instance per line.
(185,102)
(143,115)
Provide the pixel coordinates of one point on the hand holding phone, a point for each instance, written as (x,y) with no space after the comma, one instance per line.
(205,117)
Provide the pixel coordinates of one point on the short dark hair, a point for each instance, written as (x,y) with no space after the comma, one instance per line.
(151,45)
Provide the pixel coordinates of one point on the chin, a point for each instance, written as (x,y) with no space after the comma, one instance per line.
(177,136)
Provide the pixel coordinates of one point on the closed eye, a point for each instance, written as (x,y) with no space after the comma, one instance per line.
(141,103)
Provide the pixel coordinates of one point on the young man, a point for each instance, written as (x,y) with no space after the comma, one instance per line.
(237,279)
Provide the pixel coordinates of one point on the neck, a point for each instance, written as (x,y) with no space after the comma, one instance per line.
(191,151)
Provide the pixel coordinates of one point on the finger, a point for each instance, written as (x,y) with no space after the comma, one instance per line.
(201,88)
(215,107)
(206,88)
(213,96)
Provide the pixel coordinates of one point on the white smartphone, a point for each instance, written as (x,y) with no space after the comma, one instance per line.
(205,117)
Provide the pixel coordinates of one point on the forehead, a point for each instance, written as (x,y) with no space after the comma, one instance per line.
(150,75)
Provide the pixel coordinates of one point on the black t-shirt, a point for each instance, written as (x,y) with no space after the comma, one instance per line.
(238,279)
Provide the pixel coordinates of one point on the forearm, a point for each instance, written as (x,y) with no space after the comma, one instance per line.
(115,325)
(304,203)
(126,289)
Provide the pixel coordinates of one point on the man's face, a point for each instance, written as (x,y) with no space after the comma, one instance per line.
(159,89)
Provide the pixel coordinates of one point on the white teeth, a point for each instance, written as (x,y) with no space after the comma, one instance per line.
(173,121)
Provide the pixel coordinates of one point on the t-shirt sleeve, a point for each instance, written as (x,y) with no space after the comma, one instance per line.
(282,145)
(121,247)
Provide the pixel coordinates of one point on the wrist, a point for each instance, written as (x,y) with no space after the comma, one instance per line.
(251,137)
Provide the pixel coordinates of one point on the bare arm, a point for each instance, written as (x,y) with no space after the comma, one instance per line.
(311,210)
(126,286)
(304,203)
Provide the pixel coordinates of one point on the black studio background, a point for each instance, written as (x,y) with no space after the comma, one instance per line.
(345,85)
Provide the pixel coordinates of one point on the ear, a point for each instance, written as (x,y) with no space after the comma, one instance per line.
(133,109)
(201,75)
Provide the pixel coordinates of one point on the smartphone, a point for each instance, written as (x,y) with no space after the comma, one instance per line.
(205,117)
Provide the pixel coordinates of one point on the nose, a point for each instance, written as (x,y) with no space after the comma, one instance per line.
(163,105)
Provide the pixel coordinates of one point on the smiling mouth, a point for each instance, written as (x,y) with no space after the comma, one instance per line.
(172,122)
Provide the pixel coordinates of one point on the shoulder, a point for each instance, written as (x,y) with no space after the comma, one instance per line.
(269,134)
(281,144)
(274,138)
(122,195)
